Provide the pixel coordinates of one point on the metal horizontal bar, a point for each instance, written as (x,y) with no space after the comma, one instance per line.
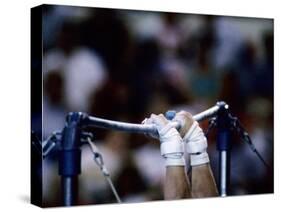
(143,128)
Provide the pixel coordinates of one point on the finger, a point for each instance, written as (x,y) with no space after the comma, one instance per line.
(144,121)
(182,116)
(159,120)
(185,119)
(147,121)
(184,113)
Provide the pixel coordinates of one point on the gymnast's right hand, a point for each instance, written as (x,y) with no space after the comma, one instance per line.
(194,138)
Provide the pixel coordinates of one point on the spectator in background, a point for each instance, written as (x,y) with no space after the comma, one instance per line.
(83,70)
(105,32)
(53,103)
(54,18)
(144,77)
(203,81)
(229,39)
(264,82)
(170,40)
(247,68)
(170,36)
(253,177)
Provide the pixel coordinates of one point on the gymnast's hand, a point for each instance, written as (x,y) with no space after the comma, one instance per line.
(193,137)
(171,142)
(185,119)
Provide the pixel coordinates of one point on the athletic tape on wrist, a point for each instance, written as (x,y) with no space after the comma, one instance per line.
(195,139)
(199,159)
(171,148)
(199,146)
(190,131)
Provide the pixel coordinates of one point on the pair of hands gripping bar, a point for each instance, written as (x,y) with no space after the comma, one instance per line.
(148,128)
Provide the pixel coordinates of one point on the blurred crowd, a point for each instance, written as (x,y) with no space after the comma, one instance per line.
(124,65)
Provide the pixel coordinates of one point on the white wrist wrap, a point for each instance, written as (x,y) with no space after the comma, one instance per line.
(195,139)
(196,145)
(199,159)
(171,146)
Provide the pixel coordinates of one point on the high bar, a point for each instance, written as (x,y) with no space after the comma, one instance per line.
(146,128)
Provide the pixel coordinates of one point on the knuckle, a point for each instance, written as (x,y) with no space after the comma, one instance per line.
(161,115)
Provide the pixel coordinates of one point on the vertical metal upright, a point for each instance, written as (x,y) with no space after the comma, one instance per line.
(70,158)
(223,147)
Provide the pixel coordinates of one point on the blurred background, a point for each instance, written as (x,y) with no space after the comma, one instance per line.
(124,65)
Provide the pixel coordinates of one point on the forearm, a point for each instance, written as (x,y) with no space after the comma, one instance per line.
(176,184)
(202,181)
